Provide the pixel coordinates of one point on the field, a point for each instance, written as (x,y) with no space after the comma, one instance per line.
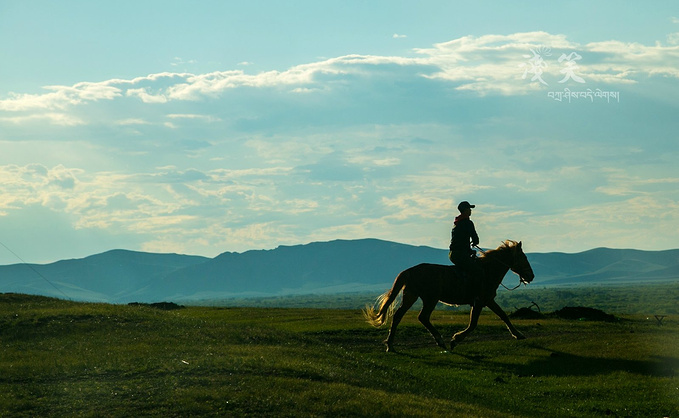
(63,358)
(657,298)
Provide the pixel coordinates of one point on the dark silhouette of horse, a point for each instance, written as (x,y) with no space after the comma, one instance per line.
(433,283)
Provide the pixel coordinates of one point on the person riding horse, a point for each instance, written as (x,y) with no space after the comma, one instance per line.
(435,283)
(461,254)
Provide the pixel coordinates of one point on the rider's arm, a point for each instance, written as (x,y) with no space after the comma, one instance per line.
(474,235)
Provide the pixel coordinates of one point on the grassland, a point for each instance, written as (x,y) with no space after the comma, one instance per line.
(645,299)
(63,358)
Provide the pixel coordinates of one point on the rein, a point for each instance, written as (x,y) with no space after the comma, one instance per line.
(521,281)
(513,288)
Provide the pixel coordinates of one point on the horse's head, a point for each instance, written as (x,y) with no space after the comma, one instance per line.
(520,264)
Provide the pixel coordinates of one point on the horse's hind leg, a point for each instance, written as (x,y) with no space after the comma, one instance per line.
(425,315)
(408,300)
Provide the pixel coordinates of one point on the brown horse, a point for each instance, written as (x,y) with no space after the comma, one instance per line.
(434,283)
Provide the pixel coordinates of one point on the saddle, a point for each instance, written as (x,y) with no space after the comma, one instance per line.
(459,273)
(472,284)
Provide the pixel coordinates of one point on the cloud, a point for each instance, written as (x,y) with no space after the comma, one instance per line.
(132,121)
(332,170)
(631,58)
(64,97)
(356,145)
(187,202)
(61,97)
(145,96)
(489,64)
(612,224)
(193,116)
(621,183)
(177,61)
(62,177)
(397,36)
(170,175)
(36,184)
(53,118)
(164,87)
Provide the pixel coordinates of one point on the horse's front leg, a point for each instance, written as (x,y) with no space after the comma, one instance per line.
(473,321)
(503,316)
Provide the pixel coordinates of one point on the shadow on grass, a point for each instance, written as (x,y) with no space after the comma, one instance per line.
(551,363)
(566,364)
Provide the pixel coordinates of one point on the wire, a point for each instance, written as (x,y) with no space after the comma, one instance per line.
(35,271)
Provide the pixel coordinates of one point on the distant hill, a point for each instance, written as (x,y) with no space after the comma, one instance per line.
(321,267)
(605,266)
(113,276)
(366,265)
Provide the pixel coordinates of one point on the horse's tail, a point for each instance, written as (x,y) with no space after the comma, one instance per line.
(378,317)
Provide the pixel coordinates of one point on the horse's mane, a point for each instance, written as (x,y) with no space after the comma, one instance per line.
(506,245)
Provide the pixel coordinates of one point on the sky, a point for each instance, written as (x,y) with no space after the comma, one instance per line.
(214,126)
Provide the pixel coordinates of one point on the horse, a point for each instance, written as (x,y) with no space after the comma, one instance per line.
(434,282)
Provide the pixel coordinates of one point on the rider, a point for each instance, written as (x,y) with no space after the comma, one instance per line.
(464,234)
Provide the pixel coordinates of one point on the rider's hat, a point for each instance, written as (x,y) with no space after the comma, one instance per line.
(464,206)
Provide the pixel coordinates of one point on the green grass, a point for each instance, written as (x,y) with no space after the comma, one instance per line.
(74,359)
(648,299)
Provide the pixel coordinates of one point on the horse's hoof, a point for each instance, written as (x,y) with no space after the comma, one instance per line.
(520,337)
(452,345)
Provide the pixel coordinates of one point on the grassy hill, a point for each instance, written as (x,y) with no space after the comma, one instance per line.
(76,359)
(643,299)
(339,266)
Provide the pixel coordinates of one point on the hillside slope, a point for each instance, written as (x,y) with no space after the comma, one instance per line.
(113,276)
(605,266)
(366,265)
(321,267)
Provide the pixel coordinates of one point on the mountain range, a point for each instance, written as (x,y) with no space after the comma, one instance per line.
(364,265)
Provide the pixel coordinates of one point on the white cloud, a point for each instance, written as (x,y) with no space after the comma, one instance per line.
(612,224)
(186,86)
(132,121)
(398,36)
(177,61)
(192,116)
(145,96)
(60,119)
(387,162)
(61,96)
(357,145)
(622,183)
(20,102)
(155,202)
(485,64)
(488,64)
(634,58)
(305,90)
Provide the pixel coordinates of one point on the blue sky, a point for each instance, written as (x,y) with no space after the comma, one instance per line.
(217,126)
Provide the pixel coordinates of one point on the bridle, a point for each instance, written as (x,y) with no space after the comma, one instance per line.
(522,281)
